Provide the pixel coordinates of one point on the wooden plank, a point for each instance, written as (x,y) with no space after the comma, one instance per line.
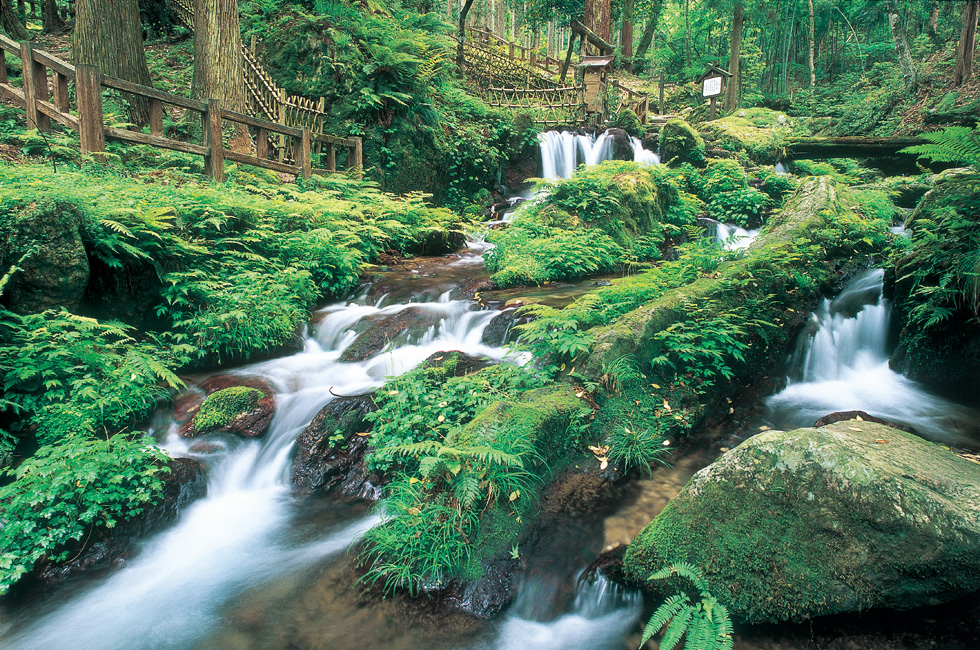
(88,93)
(259,123)
(155,141)
(214,159)
(3,67)
(274,165)
(153,93)
(303,157)
(9,45)
(15,95)
(52,112)
(61,99)
(331,158)
(156,117)
(262,143)
(26,56)
(333,139)
(355,160)
(53,62)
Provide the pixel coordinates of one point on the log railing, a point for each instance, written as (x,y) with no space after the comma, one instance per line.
(637,102)
(45,102)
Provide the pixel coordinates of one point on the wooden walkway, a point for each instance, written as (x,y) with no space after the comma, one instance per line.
(44,96)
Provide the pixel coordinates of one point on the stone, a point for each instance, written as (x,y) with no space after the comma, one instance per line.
(43,240)
(844,416)
(384,328)
(330,452)
(244,416)
(848,517)
(679,143)
(622,146)
(456,363)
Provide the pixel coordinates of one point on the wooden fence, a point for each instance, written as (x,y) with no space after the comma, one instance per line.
(44,102)
(515,51)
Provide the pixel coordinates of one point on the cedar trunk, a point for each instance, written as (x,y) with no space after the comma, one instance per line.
(810,43)
(731,90)
(966,48)
(597,17)
(461,35)
(902,49)
(10,24)
(52,22)
(218,66)
(626,32)
(109,35)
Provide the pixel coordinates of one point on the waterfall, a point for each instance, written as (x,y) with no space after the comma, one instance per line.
(246,531)
(562,153)
(642,155)
(600,617)
(732,237)
(841,364)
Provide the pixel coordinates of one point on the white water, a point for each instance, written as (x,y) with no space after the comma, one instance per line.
(173,592)
(602,614)
(843,364)
(562,153)
(729,235)
(642,155)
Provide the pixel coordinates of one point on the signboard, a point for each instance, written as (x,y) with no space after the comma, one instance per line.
(711,87)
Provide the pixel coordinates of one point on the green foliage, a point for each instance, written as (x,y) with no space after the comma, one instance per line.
(224,405)
(66,489)
(68,374)
(635,448)
(627,120)
(954,144)
(704,623)
(745,207)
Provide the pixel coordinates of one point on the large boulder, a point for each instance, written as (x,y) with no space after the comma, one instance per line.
(386,328)
(42,239)
(848,517)
(679,143)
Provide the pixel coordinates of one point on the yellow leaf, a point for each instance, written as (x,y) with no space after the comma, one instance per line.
(392,392)
(666,405)
(441,418)
(572,371)
(604,464)
(515,495)
(655,385)
(881,442)
(854,429)
(414,511)
(413,480)
(580,393)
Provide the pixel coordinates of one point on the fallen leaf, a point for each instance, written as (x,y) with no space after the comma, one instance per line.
(441,418)
(854,429)
(414,511)
(603,463)
(859,418)
(580,393)
(364,434)
(666,405)
(655,385)
(881,442)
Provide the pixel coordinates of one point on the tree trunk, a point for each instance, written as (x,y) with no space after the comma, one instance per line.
(109,35)
(461,32)
(597,17)
(52,22)
(810,43)
(644,44)
(626,31)
(10,23)
(966,48)
(932,26)
(687,33)
(218,64)
(731,90)
(902,49)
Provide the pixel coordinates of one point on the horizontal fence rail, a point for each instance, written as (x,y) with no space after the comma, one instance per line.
(45,98)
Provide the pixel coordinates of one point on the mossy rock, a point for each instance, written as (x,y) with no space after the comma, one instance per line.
(43,240)
(242,410)
(852,516)
(758,132)
(680,143)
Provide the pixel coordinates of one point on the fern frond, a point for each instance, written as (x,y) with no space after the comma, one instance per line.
(677,628)
(663,615)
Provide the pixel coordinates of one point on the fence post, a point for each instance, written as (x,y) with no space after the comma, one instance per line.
(214,159)
(3,66)
(662,94)
(156,117)
(61,92)
(282,120)
(331,157)
(27,68)
(303,158)
(356,159)
(262,143)
(88,91)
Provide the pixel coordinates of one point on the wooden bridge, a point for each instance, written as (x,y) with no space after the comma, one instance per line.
(509,75)
(44,96)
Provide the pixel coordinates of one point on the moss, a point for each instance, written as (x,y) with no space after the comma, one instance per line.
(627,120)
(681,144)
(820,521)
(758,132)
(225,405)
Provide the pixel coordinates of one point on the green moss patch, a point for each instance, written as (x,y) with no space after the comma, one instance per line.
(220,408)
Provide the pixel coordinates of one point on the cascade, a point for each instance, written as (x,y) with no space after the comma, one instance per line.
(731,236)
(642,155)
(562,153)
(841,364)
(247,530)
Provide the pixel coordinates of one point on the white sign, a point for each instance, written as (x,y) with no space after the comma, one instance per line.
(711,87)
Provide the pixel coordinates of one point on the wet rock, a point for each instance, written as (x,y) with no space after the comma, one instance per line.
(845,518)
(500,330)
(844,416)
(43,240)
(610,564)
(485,598)
(622,146)
(456,363)
(330,452)
(106,547)
(439,242)
(382,329)
(235,404)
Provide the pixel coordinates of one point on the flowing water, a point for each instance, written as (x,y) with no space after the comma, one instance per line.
(563,152)
(841,364)
(732,237)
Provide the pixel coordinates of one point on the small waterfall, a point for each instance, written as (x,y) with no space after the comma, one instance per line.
(642,155)
(781,168)
(601,615)
(248,530)
(729,235)
(841,364)
(562,153)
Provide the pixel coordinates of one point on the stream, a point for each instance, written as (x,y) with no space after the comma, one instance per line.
(253,566)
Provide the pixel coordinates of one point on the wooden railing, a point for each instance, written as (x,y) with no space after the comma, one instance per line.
(44,102)
(637,102)
(515,51)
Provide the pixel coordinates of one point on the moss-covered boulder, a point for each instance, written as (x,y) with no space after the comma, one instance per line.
(42,240)
(848,517)
(680,143)
(934,288)
(239,405)
(758,132)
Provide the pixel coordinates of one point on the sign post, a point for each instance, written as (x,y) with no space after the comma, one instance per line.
(712,86)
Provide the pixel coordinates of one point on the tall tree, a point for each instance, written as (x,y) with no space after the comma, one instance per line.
(461,32)
(902,49)
(626,30)
(654,12)
(10,23)
(597,16)
(966,47)
(811,40)
(218,65)
(51,19)
(109,35)
(731,90)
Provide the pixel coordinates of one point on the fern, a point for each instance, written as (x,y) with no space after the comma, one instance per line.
(954,144)
(704,623)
